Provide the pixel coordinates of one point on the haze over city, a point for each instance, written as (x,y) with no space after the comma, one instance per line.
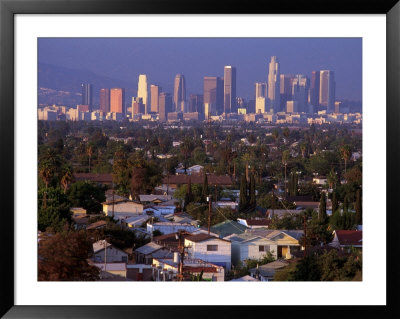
(161,59)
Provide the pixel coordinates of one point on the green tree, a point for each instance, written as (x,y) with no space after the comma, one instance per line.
(122,173)
(345,153)
(205,191)
(63,257)
(87,195)
(189,194)
(322,208)
(335,204)
(57,212)
(243,198)
(252,192)
(358,207)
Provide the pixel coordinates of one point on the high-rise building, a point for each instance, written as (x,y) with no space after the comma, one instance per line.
(179,93)
(117,100)
(143,90)
(314,90)
(196,103)
(164,106)
(229,89)
(213,95)
(286,81)
(327,90)
(154,97)
(274,84)
(87,94)
(137,106)
(261,89)
(105,100)
(300,88)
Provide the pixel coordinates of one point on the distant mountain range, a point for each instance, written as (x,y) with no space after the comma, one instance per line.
(62,80)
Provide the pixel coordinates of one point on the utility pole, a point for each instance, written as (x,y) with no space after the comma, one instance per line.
(209,213)
(181,249)
(305,236)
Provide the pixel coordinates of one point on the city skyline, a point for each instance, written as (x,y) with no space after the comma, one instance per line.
(190,58)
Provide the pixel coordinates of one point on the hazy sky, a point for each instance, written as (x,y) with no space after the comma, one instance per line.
(162,58)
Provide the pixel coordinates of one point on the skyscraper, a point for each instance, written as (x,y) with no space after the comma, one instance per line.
(314,90)
(274,84)
(300,88)
(229,89)
(179,93)
(105,100)
(261,89)
(260,97)
(327,90)
(137,106)
(117,100)
(154,97)
(196,103)
(87,94)
(286,81)
(143,91)
(164,106)
(213,95)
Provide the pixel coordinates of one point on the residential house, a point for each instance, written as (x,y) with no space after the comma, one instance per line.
(196,169)
(256,243)
(247,246)
(228,227)
(245,278)
(154,199)
(139,272)
(78,211)
(111,254)
(209,248)
(167,269)
(112,271)
(174,181)
(122,208)
(105,179)
(267,272)
(136,221)
(345,239)
(146,253)
(80,221)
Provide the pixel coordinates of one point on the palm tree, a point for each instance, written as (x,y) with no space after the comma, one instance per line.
(246,160)
(332,178)
(345,152)
(66,179)
(46,172)
(89,152)
(285,159)
(303,148)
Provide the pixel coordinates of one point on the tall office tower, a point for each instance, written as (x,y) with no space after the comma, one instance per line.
(229,89)
(179,93)
(196,103)
(154,96)
(300,88)
(274,84)
(313,98)
(117,100)
(137,106)
(327,90)
(164,106)
(143,91)
(261,89)
(286,81)
(105,100)
(213,95)
(87,94)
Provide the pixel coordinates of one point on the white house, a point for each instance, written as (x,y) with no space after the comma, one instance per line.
(255,243)
(122,208)
(248,246)
(196,169)
(255,222)
(158,211)
(209,248)
(109,255)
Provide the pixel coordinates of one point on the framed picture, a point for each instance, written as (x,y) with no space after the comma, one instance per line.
(37,31)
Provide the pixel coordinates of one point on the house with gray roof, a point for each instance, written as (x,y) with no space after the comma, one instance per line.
(228,227)
(267,272)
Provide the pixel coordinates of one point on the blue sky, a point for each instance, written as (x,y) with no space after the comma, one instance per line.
(162,58)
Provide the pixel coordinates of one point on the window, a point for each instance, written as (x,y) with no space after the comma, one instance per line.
(212,247)
(124,259)
(260,248)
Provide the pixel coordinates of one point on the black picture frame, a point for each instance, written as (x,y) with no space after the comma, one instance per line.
(8,8)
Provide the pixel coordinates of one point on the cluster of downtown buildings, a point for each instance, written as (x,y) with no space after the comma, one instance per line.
(284,98)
